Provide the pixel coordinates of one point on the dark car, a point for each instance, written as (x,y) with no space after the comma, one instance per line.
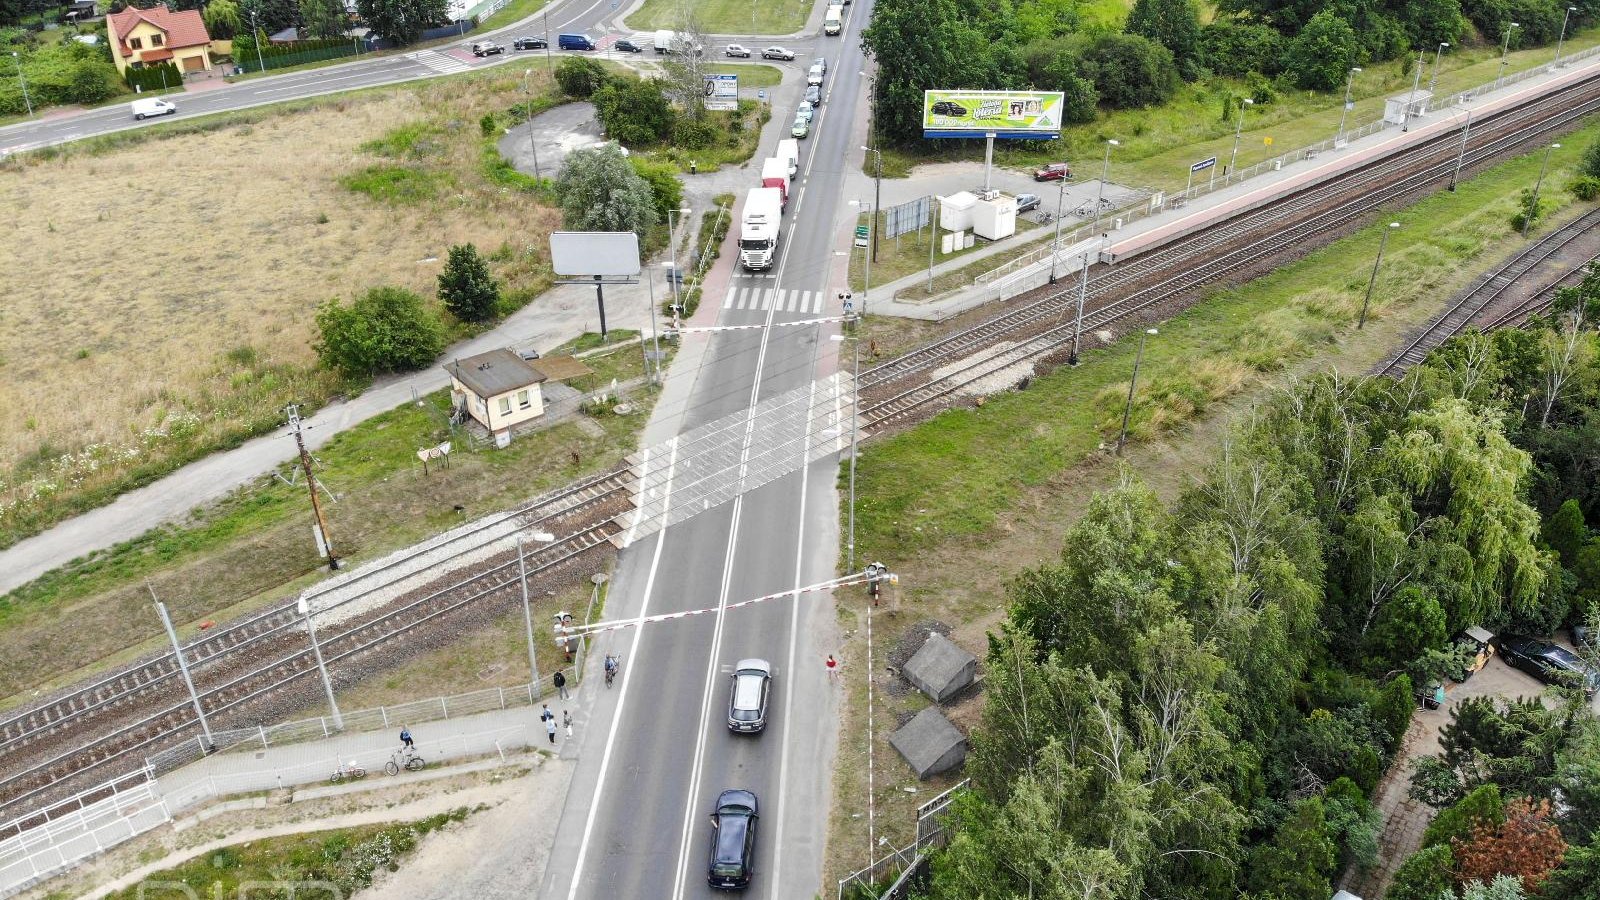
(1052,172)
(487,48)
(627,46)
(1026,202)
(733,840)
(526,43)
(747,703)
(1549,663)
(947,108)
(814,94)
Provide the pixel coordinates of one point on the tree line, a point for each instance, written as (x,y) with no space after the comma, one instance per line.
(1198,700)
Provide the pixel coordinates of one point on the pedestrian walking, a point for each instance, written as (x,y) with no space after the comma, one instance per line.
(550,728)
(560,681)
(405,738)
(832,666)
(545,715)
(566,719)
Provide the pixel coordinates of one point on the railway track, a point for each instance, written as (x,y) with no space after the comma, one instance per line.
(1201,258)
(1486,290)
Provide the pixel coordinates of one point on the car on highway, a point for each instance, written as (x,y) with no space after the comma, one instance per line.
(627,46)
(733,840)
(737,50)
(777,53)
(814,94)
(487,48)
(154,106)
(747,701)
(947,108)
(1549,662)
(801,127)
(1026,202)
(1051,172)
(814,75)
(820,62)
(528,43)
(806,111)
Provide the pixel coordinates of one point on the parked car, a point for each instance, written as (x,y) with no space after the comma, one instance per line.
(154,106)
(733,840)
(574,42)
(801,127)
(487,48)
(527,43)
(1052,172)
(820,62)
(777,53)
(627,46)
(1584,639)
(1026,202)
(1549,663)
(947,108)
(806,111)
(738,50)
(747,702)
(814,94)
(814,75)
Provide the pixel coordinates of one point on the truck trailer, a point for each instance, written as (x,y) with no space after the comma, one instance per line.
(760,228)
(775,174)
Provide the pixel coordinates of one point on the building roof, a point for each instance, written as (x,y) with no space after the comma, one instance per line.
(156,55)
(494,373)
(183,29)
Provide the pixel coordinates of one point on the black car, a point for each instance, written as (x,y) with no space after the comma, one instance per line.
(1026,202)
(627,46)
(747,703)
(946,108)
(733,840)
(1549,663)
(528,44)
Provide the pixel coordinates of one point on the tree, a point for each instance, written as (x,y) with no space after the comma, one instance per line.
(1482,807)
(920,43)
(1081,101)
(1296,864)
(580,77)
(1566,533)
(1175,25)
(665,185)
(599,191)
(1408,625)
(1430,22)
(634,111)
(1591,159)
(1502,888)
(1527,846)
(685,67)
(269,16)
(1424,875)
(1232,47)
(324,18)
(465,286)
(1130,71)
(387,329)
(222,19)
(401,21)
(1578,874)
(1323,52)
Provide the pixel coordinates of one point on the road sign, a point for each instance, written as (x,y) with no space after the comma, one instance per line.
(1267,140)
(722,92)
(1203,165)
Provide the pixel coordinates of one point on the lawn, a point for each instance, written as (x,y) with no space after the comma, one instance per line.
(253,547)
(751,75)
(176,347)
(908,254)
(724,16)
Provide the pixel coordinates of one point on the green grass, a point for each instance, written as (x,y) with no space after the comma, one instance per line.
(403,185)
(907,254)
(750,74)
(738,134)
(945,478)
(340,861)
(725,16)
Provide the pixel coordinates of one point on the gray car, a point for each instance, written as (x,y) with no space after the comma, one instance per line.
(1026,202)
(747,702)
(814,95)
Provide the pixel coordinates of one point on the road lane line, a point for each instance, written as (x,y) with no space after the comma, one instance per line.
(622,699)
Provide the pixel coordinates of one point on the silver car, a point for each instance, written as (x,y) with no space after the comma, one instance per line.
(747,704)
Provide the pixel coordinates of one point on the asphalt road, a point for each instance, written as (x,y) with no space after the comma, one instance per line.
(656,751)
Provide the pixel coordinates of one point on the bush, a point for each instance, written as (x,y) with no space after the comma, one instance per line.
(1585,188)
(634,111)
(153,78)
(1530,210)
(1591,159)
(1394,707)
(1423,876)
(580,78)
(1458,820)
(1230,47)
(387,329)
(1322,54)
(664,184)
(465,286)
(1130,71)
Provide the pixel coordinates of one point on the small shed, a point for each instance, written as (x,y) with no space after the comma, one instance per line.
(995,219)
(930,744)
(498,389)
(955,211)
(1394,109)
(941,669)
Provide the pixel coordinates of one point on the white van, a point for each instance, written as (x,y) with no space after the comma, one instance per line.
(154,106)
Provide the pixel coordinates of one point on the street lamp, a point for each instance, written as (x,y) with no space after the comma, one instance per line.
(1561,40)
(1533,208)
(877,195)
(532,145)
(1348,84)
(672,247)
(16,58)
(1237,131)
(1128,407)
(543,537)
(872,231)
(1362,321)
(1105,172)
(855,409)
(1504,50)
(255,38)
(1433,82)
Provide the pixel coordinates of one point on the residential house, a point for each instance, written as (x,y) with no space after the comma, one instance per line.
(498,389)
(145,37)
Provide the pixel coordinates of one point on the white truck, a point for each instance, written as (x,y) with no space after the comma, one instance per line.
(789,151)
(833,22)
(760,227)
(669,41)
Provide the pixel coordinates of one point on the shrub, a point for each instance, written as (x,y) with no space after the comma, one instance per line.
(580,78)
(1458,820)
(465,286)
(1130,71)
(635,111)
(1591,159)
(664,184)
(1321,55)
(1231,47)
(1585,187)
(153,78)
(387,329)
(1530,210)
(1423,876)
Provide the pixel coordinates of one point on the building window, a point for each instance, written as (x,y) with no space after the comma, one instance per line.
(155,40)
(523,400)
(505,406)
(135,43)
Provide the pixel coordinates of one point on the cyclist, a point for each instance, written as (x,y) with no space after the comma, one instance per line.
(611,667)
(405,738)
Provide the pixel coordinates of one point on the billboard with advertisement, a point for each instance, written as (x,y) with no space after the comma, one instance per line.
(1004,114)
(722,92)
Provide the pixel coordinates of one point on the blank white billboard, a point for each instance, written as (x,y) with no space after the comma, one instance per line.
(594,252)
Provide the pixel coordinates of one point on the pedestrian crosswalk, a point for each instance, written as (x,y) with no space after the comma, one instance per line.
(780,299)
(439,62)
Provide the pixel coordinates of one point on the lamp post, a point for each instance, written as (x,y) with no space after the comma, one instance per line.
(544,537)
(1362,321)
(672,247)
(1504,50)
(1128,407)
(532,144)
(877,194)
(1561,40)
(1433,82)
(933,238)
(17,59)
(855,409)
(1533,208)
(1105,172)
(1416,82)
(1055,246)
(1238,130)
(255,38)
(1348,84)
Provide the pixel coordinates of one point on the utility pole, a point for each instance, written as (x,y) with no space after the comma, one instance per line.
(183,666)
(293,411)
(1412,100)
(1365,301)
(1462,155)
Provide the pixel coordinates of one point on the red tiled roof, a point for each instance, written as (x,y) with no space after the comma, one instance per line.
(183,29)
(157,55)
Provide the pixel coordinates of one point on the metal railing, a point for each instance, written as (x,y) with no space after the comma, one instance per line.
(905,863)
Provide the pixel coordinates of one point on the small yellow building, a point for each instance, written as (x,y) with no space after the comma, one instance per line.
(498,389)
(144,37)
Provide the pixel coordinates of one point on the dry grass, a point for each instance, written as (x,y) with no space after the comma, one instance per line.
(163,292)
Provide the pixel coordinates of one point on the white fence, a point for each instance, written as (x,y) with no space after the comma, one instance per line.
(39,852)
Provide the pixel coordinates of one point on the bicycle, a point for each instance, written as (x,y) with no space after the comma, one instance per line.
(613,663)
(347,773)
(407,758)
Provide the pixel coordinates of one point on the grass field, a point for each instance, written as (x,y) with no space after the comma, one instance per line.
(176,312)
(907,254)
(724,16)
